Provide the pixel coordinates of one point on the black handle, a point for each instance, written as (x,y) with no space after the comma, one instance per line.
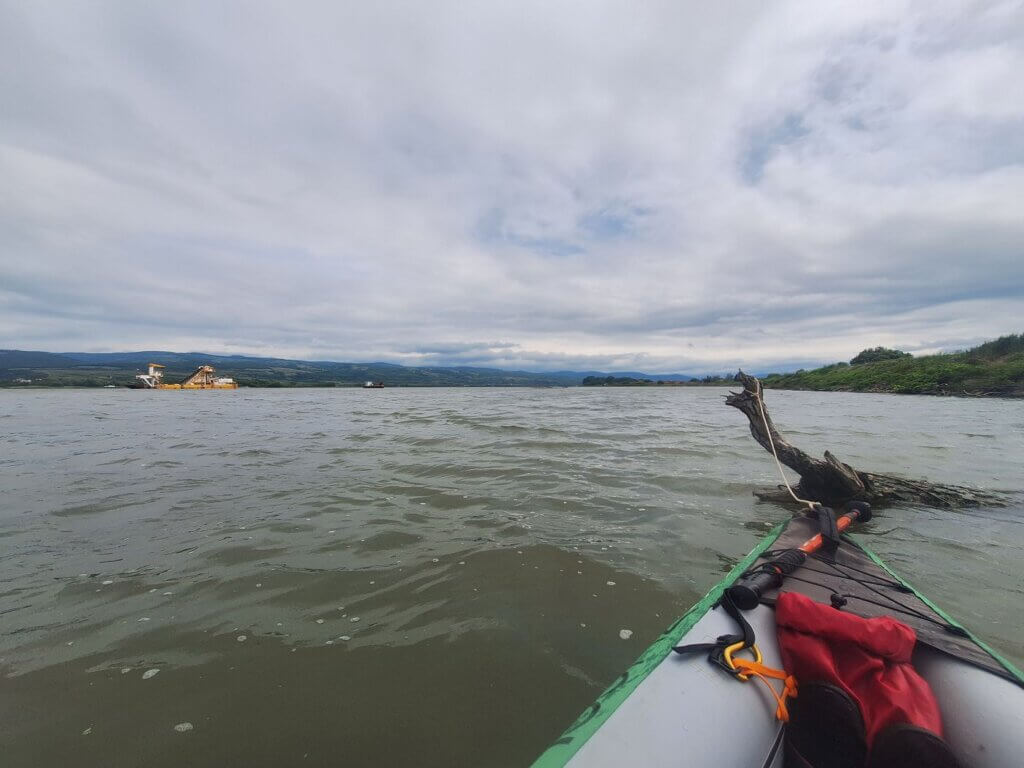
(747,592)
(859,509)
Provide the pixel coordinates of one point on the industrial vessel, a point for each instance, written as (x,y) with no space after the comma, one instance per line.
(203,377)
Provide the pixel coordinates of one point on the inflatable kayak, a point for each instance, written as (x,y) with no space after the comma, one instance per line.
(677,709)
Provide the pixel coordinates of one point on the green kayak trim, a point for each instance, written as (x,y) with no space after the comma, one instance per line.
(587,724)
(1007,664)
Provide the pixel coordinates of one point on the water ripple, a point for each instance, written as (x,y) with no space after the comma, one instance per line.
(470,525)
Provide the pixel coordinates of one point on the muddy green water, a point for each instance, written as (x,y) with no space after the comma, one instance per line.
(426,577)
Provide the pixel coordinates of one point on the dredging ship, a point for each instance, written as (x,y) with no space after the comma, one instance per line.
(204,377)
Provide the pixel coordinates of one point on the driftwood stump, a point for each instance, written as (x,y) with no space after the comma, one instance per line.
(832,482)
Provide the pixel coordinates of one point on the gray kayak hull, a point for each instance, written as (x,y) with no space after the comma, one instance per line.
(687,712)
(671,710)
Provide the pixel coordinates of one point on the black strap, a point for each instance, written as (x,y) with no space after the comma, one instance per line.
(716,650)
(829,528)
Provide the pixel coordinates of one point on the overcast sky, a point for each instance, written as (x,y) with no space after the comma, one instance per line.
(657,186)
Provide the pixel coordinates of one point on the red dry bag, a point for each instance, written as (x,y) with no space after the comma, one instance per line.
(868,658)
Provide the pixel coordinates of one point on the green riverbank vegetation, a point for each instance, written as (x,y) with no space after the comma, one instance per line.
(628,381)
(992,369)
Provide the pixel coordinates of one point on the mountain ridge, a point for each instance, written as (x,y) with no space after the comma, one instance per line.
(101,368)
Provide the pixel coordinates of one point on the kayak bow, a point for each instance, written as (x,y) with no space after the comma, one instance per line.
(668,710)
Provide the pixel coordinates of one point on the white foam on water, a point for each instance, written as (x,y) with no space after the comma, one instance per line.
(150,673)
(625,634)
(183,727)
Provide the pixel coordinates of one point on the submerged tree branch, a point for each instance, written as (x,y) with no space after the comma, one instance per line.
(833,482)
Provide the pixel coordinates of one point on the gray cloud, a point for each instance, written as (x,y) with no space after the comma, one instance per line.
(596,186)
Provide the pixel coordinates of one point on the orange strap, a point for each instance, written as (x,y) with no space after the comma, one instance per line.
(762,673)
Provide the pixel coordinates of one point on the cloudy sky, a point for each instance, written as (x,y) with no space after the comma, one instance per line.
(658,186)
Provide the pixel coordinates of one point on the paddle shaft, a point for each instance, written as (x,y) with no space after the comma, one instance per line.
(843,522)
(747,592)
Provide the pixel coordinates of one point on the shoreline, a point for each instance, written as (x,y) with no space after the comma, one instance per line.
(667,385)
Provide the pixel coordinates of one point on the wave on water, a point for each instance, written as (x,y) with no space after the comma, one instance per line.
(460,548)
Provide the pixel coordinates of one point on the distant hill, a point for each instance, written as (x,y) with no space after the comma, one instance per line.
(995,368)
(87,369)
(16,358)
(635,380)
(642,376)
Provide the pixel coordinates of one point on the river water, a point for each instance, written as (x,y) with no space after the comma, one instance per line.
(416,576)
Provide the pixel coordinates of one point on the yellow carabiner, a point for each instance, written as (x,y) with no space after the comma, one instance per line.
(730,650)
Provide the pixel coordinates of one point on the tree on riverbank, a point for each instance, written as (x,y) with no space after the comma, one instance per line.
(875,354)
(995,368)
